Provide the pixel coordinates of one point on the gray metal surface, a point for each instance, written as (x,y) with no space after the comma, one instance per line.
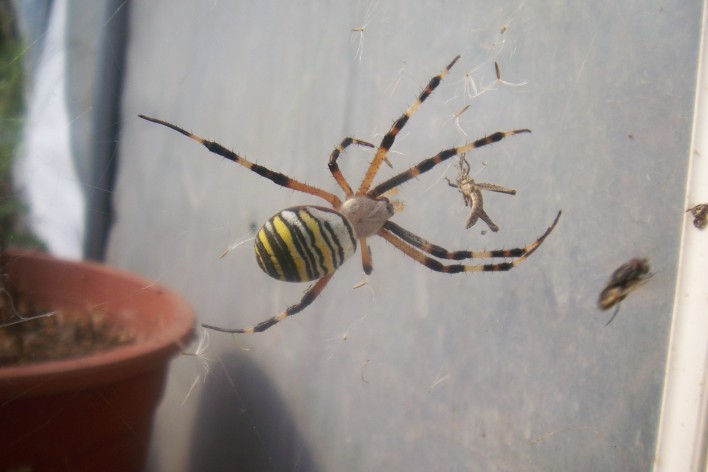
(415,370)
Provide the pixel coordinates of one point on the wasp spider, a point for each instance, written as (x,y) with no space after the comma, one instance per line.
(309,243)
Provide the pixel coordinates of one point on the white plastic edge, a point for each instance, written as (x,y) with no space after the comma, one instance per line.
(681,442)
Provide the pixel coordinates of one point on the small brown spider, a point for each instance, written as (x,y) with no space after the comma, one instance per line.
(625,279)
(472,194)
(700,215)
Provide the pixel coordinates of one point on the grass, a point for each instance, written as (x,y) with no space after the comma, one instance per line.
(13,229)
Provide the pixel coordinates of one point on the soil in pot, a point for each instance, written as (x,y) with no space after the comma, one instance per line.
(37,335)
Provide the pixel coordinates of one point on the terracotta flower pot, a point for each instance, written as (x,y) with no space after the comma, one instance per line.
(94,412)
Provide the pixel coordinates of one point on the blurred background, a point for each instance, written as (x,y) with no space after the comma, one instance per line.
(414,370)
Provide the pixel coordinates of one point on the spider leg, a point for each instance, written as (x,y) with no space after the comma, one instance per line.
(407,242)
(334,167)
(397,126)
(276,177)
(366,263)
(310,295)
(427,164)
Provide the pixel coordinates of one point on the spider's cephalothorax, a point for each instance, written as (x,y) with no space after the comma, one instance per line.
(309,243)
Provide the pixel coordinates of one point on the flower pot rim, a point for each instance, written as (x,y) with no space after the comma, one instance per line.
(152,352)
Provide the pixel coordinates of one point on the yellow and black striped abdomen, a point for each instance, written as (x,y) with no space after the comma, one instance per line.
(304,243)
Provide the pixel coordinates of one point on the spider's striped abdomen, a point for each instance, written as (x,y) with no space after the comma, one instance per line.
(304,243)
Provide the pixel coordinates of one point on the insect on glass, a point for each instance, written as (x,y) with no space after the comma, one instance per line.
(623,281)
(700,215)
(309,243)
